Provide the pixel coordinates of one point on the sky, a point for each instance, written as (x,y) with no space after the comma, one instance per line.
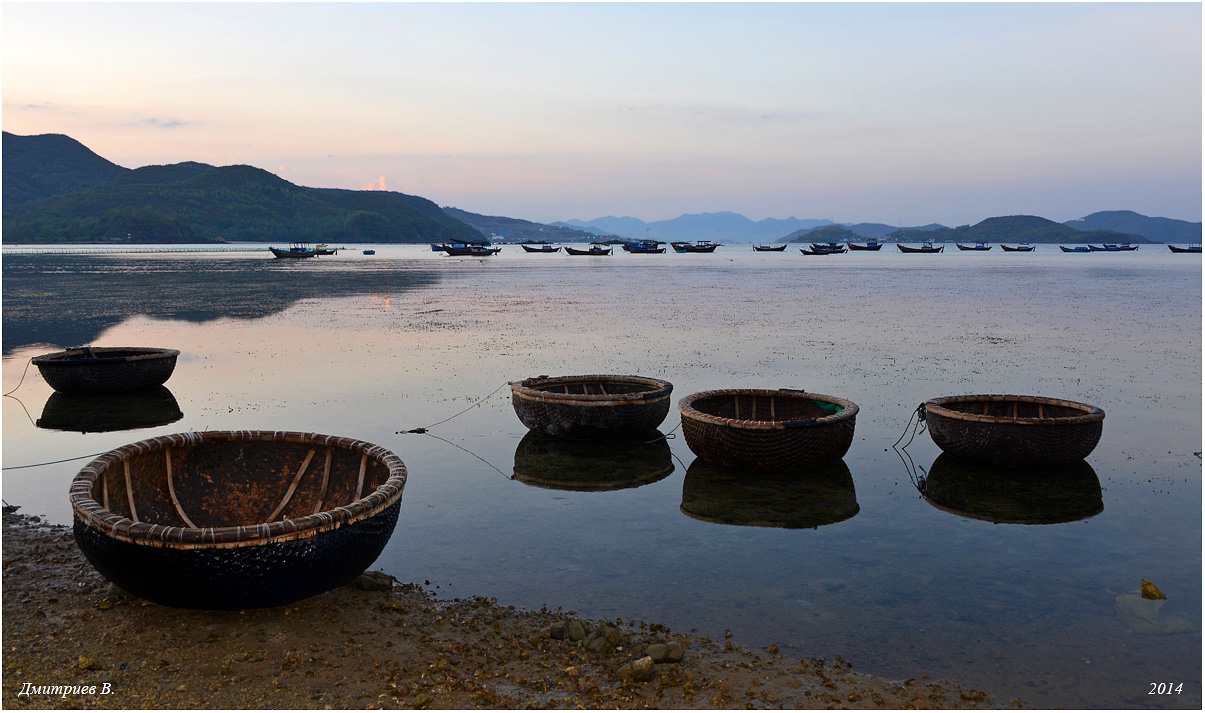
(898,113)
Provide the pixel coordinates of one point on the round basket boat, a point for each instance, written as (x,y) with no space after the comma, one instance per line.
(236,519)
(597,406)
(90,371)
(1013,430)
(101,414)
(713,493)
(1026,496)
(561,464)
(768,430)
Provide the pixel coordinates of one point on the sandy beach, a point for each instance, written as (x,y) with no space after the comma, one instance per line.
(380,643)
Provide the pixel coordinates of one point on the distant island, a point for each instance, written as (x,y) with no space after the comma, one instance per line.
(56,190)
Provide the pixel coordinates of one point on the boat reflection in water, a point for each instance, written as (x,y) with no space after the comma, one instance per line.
(101,414)
(819,497)
(1027,496)
(563,464)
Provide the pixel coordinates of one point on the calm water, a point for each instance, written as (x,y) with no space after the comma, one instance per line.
(851,562)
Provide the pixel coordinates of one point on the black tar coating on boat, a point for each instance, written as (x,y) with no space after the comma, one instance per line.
(247,577)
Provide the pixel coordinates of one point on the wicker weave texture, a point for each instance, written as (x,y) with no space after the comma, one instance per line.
(107,370)
(980,428)
(797,435)
(236,519)
(592,406)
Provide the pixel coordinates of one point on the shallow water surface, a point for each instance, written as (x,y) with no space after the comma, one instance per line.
(997,580)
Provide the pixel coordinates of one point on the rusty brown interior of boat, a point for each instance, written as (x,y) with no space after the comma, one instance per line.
(1014,409)
(228,484)
(763,407)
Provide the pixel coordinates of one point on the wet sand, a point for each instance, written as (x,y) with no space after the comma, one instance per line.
(392,647)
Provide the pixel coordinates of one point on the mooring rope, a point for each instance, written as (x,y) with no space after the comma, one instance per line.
(475,404)
(466,450)
(22,381)
(22,403)
(919,414)
(52,462)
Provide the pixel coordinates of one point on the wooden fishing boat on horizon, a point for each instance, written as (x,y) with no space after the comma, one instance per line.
(1019,248)
(643,247)
(295,250)
(872,244)
(594,249)
(925,247)
(471,250)
(699,246)
(541,248)
(1075,249)
(769,248)
(980,246)
(1190,249)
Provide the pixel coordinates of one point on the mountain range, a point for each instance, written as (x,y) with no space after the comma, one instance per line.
(55,189)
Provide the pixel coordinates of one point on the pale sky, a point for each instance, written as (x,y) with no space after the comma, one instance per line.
(896,113)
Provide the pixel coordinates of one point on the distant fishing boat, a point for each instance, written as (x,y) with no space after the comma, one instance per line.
(925,247)
(370,252)
(543,248)
(646,247)
(699,246)
(1076,249)
(770,248)
(1125,247)
(437,247)
(323,249)
(594,249)
(299,249)
(980,246)
(872,244)
(471,250)
(830,245)
(1020,248)
(1195,248)
(821,250)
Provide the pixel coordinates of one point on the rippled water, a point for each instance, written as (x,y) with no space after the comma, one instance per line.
(998,581)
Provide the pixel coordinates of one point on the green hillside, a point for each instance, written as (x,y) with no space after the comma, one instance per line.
(1127,221)
(827,234)
(517,230)
(46,165)
(1014,229)
(196,202)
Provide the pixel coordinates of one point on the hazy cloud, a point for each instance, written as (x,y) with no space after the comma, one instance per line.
(377,185)
(154,123)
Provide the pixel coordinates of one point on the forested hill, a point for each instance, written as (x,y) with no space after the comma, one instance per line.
(196,202)
(1015,229)
(1127,221)
(517,230)
(49,165)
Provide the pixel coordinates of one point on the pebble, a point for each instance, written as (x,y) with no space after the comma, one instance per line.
(638,670)
(374,582)
(665,652)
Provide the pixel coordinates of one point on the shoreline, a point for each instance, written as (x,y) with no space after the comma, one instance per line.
(379,643)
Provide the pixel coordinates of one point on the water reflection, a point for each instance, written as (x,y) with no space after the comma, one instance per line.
(101,414)
(792,500)
(562,464)
(68,300)
(1028,496)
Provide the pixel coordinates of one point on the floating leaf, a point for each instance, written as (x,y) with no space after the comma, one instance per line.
(1150,591)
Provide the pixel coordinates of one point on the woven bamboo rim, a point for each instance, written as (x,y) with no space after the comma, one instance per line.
(686,406)
(90,512)
(1091,414)
(65,356)
(535,389)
